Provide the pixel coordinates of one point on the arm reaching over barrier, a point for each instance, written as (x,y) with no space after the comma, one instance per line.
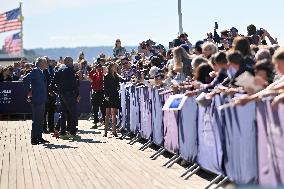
(277,100)
(272,89)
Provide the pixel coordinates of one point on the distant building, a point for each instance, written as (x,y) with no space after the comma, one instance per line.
(4,61)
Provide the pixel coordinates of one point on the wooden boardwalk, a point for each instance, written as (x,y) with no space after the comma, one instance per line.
(91,162)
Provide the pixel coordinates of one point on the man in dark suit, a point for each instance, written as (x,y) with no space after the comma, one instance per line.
(51,98)
(67,86)
(35,82)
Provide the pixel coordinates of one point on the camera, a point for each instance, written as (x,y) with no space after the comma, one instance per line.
(138,57)
(216,27)
(260,32)
(209,36)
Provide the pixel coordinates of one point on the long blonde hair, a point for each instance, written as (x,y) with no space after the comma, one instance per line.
(179,55)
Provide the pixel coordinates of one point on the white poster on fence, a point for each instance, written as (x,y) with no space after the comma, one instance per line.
(175,102)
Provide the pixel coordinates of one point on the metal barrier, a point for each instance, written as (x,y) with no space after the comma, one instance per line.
(224,142)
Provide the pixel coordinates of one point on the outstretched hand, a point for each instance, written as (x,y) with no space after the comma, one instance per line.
(277,100)
(242,101)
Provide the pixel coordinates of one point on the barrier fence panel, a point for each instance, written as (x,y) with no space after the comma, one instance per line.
(188,130)
(270,132)
(127,108)
(146,112)
(157,116)
(171,141)
(210,149)
(134,109)
(84,106)
(123,104)
(221,141)
(13,98)
(240,144)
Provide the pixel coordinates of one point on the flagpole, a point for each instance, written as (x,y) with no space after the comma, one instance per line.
(180,17)
(22,34)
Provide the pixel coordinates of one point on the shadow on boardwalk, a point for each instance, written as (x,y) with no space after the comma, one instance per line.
(58,146)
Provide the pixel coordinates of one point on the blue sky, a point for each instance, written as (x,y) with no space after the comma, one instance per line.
(70,23)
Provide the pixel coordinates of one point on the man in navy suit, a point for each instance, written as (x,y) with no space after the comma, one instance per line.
(36,84)
(51,98)
(67,86)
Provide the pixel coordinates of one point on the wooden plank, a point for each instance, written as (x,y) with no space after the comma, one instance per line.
(63,168)
(51,173)
(37,183)
(126,176)
(80,172)
(131,172)
(26,141)
(132,167)
(3,131)
(106,163)
(72,173)
(98,168)
(157,173)
(93,174)
(60,180)
(4,182)
(41,167)
(13,158)
(19,155)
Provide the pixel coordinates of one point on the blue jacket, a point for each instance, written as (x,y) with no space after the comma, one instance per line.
(35,81)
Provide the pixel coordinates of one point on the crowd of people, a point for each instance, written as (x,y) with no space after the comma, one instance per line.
(221,63)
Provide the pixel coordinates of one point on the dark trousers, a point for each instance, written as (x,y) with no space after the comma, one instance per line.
(98,103)
(37,118)
(69,109)
(62,127)
(58,108)
(49,113)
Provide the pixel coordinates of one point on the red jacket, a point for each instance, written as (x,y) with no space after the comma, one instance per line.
(97,80)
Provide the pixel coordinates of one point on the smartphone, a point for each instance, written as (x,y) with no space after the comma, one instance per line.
(216,27)
(171,45)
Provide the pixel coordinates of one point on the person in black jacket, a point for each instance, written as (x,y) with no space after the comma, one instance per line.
(68,89)
(50,104)
(112,101)
(236,67)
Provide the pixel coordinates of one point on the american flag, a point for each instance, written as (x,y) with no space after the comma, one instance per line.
(10,20)
(13,44)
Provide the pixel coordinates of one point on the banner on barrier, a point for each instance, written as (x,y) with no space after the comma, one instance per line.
(222,141)
(84,106)
(157,116)
(188,142)
(240,143)
(171,118)
(270,132)
(146,112)
(209,137)
(13,98)
(134,109)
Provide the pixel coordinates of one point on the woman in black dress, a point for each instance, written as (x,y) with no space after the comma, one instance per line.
(112,101)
